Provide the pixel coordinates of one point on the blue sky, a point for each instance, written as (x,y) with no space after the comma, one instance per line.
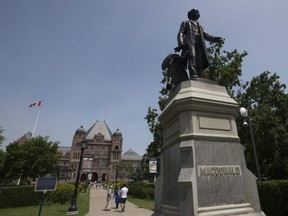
(95,60)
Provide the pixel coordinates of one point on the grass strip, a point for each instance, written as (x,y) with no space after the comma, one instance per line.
(50,210)
(142,203)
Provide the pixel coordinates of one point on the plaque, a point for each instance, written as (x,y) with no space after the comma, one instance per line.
(46,184)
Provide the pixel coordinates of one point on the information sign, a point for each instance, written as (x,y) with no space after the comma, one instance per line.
(153,165)
(46,184)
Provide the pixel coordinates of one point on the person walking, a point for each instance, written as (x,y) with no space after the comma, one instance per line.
(108,199)
(116,196)
(123,197)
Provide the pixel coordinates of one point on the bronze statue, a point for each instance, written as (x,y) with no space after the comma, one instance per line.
(191,40)
(176,73)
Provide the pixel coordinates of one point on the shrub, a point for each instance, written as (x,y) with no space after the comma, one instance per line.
(21,196)
(141,190)
(18,196)
(62,194)
(273,197)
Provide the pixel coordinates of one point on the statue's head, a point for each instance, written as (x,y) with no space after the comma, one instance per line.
(193,14)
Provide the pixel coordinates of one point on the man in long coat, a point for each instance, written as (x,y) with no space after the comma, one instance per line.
(191,40)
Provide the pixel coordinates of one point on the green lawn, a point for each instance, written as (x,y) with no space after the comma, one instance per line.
(50,210)
(142,203)
(60,210)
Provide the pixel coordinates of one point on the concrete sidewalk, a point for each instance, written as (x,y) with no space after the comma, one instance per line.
(98,201)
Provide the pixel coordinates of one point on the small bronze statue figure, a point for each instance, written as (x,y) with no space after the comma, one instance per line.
(175,71)
(191,40)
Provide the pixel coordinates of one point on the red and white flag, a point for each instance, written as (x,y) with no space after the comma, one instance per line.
(39,103)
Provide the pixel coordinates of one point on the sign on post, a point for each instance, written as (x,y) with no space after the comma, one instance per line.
(46,184)
(153,165)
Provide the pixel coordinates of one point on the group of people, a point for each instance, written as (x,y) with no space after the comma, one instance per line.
(120,196)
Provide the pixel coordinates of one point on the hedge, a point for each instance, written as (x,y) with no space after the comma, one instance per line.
(21,196)
(141,190)
(273,197)
(18,196)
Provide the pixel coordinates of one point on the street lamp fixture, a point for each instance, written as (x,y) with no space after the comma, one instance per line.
(244,113)
(73,208)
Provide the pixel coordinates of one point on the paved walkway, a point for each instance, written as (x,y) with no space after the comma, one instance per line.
(98,201)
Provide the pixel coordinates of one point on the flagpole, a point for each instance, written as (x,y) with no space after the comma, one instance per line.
(36,122)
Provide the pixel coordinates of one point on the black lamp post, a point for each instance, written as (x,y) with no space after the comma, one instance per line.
(244,113)
(73,208)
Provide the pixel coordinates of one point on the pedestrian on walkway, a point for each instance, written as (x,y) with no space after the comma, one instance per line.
(123,197)
(116,196)
(108,199)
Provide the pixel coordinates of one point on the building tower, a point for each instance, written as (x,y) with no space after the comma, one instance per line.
(115,155)
(103,147)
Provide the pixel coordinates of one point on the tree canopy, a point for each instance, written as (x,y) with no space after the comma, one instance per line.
(2,153)
(34,158)
(225,67)
(2,138)
(124,170)
(267,105)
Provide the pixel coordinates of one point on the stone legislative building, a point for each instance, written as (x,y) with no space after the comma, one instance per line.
(101,155)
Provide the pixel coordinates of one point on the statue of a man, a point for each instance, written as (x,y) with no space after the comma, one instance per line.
(191,40)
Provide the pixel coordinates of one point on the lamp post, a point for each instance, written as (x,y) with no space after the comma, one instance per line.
(73,208)
(244,113)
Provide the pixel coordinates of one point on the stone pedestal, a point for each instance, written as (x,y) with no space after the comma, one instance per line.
(203,170)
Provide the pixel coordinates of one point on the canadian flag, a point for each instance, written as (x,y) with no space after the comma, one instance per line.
(39,103)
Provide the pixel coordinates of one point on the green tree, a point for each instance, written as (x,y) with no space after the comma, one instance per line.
(2,138)
(125,170)
(267,104)
(156,130)
(2,153)
(225,67)
(35,158)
